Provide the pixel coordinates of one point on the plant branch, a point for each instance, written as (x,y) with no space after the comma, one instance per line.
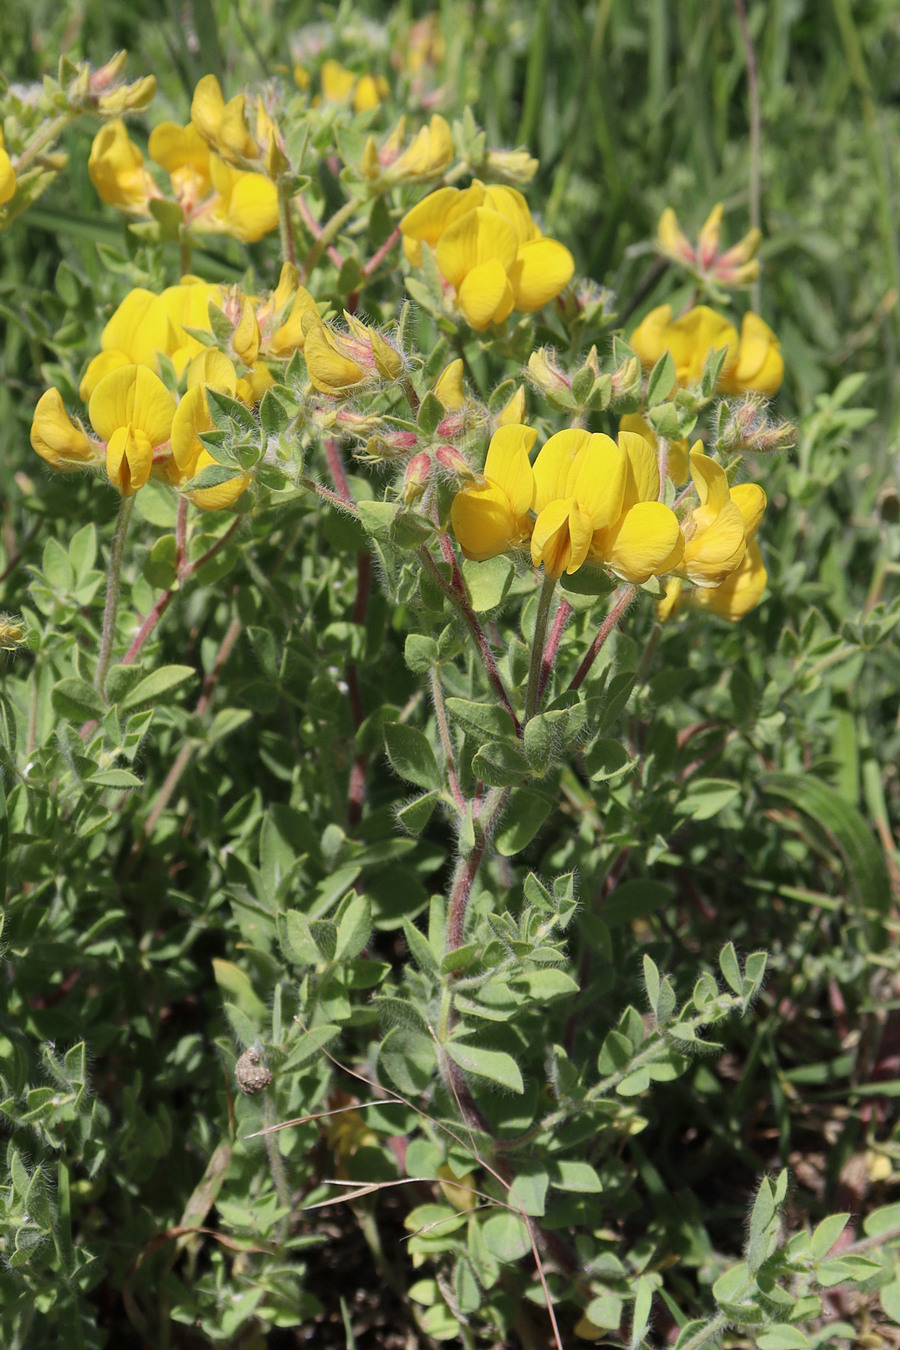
(623,600)
(113,589)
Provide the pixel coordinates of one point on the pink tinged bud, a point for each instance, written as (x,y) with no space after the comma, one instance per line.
(415,477)
(449,458)
(710,237)
(107,75)
(401,440)
(451,426)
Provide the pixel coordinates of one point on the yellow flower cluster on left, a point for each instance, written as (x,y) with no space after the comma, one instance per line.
(491,254)
(205,161)
(141,429)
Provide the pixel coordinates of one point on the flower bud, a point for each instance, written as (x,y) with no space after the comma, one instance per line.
(710,236)
(415,478)
(388,362)
(513,411)
(12,633)
(128,98)
(626,381)
(511,166)
(547,377)
(450,459)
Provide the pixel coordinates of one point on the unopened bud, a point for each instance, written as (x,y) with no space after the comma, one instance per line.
(388,362)
(626,381)
(415,479)
(451,426)
(513,411)
(672,240)
(511,166)
(710,236)
(108,75)
(276,161)
(128,98)
(547,377)
(450,459)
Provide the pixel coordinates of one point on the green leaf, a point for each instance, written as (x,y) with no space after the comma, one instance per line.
(156,686)
(524,816)
(500,764)
(889,1297)
(377,518)
(431,413)
(506,1237)
(615,1053)
(420,947)
(529,1189)
(607,758)
(411,755)
(635,900)
(783,1338)
(605,1311)
(354,928)
(546,984)
(882,1220)
(421,653)
(77,700)
(661,381)
(580,1177)
(484,719)
(706,797)
(234,981)
(495,1065)
(827,1233)
(114,778)
(416,814)
(728,964)
(840,820)
(488,582)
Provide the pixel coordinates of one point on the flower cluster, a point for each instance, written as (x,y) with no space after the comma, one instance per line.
(142,429)
(221,176)
(591,500)
(753,360)
(489,251)
(705,260)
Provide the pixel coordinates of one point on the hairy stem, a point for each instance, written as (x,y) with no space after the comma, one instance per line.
(113,589)
(467,867)
(560,619)
(285,224)
(545,599)
(622,601)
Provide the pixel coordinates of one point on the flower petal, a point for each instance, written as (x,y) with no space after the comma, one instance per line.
(485,295)
(554,465)
(508,466)
(478,237)
(132,396)
(646,543)
(751,502)
(483,521)
(541,269)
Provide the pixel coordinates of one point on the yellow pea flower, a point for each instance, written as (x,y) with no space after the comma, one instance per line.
(116,168)
(492,515)
(448,387)
(753,361)
(337,82)
(132,411)
(759,366)
(513,410)
(580,480)
(428,220)
(370,92)
(244,205)
(427,156)
(646,537)
(136,333)
(716,534)
(222,125)
(690,339)
(475,255)
(59,440)
(330,360)
(740,592)
(209,370)
(187,306)
(7,174)
(677,464)
(184,155)
(289,337)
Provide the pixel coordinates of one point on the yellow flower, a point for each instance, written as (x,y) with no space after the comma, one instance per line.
(337,81)
(184,155)
(222,125)
(580,480)
(448,387)
(57,439)
(759,366)
(740,592)
(135,335)
(689,339)
(753,362)
(677,464)
(289,337)
(737,266)
(492,516)
(209,370)
(244,205)
(427,156)
(132,411)
(370,92)
(187,306)
(513,410)
(331,360)
(645,539)
(489,250)
(116,167)
(717,533)
(7,174)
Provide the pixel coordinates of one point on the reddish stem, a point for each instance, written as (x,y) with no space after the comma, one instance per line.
(626,593)
(560,619)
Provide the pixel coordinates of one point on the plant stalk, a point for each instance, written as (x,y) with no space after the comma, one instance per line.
(113,589)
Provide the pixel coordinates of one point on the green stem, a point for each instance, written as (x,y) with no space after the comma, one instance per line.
(537,647)
(51,133)
(285,223)
(467,868)
(755,125)
(113,588)
(329,232)
(276,1165)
